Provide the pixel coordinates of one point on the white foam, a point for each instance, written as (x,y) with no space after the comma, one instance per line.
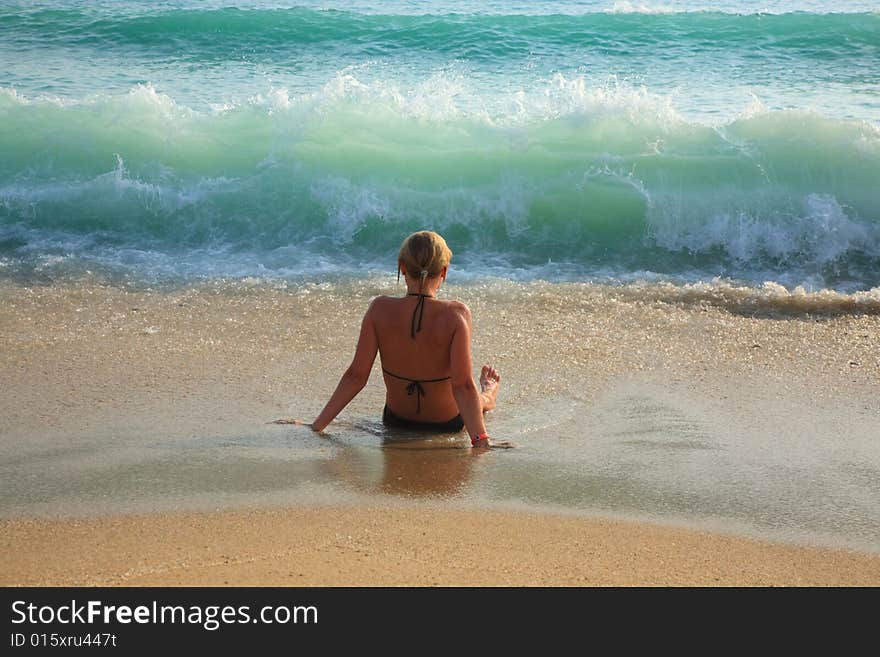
(348,205)
(139,97)
(24,197)
(626,7)
(451,95)
(819,234)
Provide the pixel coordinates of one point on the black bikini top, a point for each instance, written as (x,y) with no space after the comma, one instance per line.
(415,385)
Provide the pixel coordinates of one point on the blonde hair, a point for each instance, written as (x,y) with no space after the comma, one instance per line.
(423,254)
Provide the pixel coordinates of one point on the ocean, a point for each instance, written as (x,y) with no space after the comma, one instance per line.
(680,143)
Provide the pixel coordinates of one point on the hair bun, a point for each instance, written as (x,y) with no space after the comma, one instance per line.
(424,252)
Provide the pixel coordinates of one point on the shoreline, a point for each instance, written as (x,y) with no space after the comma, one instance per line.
(370,546)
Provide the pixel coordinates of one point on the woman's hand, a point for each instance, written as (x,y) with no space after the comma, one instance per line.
(488,443)
(291,420)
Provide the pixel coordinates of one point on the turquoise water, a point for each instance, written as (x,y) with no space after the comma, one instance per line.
(564,140)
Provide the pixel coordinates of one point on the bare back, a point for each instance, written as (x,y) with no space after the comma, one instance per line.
(423,358)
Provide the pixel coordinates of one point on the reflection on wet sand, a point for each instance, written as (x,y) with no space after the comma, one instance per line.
(438,466)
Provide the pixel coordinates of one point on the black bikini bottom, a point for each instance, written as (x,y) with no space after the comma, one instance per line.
(390,419)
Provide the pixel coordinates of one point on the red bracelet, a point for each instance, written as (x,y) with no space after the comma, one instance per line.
(476,441)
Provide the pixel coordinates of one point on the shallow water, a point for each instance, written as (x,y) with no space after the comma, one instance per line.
(641,451)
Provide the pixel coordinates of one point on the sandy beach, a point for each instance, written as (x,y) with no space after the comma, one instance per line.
(405,547)
(98,378)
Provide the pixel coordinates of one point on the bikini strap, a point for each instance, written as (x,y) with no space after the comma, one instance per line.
(415,386)
(418,310)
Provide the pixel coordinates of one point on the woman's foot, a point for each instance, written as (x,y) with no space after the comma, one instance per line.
(489,383)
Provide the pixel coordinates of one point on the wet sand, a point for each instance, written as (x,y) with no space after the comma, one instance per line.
(97,378)
(405,547)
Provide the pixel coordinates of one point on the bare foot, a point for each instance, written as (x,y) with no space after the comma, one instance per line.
(489,383)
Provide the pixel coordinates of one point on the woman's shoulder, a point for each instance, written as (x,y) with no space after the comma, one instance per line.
(457,311)
(378,303)
(383,304)
(457,306)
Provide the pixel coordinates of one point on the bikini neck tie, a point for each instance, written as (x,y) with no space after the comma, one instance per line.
(419,310)
(420,306)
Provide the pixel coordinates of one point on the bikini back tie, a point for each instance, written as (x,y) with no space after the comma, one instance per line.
(415,386)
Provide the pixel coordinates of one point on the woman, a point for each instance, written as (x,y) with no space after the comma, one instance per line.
(425,347)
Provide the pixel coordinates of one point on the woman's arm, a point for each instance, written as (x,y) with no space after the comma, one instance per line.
(463,387)
(467,397)
(355,377)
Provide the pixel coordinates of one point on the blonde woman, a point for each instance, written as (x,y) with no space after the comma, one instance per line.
(425,348)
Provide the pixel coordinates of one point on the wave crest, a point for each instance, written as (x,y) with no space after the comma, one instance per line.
(594,176)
